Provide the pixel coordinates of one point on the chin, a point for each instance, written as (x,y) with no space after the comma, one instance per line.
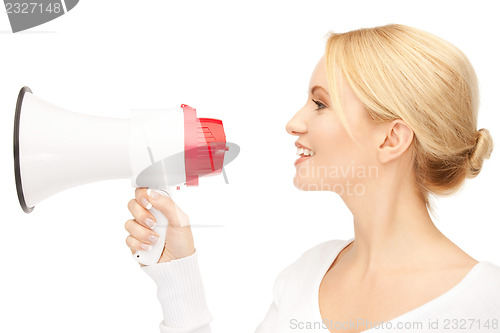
(305,184)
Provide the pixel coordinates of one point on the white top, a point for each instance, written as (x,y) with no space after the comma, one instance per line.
(473,305)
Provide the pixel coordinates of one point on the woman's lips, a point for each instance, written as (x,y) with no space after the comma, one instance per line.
(301,159)
(304,153)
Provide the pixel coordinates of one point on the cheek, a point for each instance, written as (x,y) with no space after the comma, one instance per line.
(331,140)
(336,149)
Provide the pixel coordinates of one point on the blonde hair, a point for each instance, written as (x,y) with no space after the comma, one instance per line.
(400,72)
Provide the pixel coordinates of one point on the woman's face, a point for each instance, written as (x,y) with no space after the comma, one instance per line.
(337,163)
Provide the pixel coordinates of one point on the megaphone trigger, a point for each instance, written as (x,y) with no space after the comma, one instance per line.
(152,256)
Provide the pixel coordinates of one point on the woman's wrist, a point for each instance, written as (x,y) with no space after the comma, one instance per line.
(180,291)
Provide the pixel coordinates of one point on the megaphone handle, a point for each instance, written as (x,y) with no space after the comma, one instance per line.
(151,257)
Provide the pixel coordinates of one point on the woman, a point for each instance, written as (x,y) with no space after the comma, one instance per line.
(391,118)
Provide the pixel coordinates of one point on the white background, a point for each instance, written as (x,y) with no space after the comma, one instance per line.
(65,267)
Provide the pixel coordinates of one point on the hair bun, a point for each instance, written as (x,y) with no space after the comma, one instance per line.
(481,151)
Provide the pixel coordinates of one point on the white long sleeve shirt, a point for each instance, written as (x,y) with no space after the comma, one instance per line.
(473,305)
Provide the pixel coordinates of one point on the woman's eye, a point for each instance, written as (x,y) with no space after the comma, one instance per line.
(319,104)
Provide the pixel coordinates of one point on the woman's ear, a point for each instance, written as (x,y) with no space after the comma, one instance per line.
(396,138)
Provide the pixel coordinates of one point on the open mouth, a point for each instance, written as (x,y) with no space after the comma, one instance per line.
(304,154)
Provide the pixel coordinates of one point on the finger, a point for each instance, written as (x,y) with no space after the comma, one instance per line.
(141,214)
(141,197)
(143,234)
(174,214)
(136,245)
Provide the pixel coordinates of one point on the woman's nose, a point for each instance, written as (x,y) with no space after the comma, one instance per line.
(296,125)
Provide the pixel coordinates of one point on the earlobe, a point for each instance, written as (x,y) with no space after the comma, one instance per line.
(398,138)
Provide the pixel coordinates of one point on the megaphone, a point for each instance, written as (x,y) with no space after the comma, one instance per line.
(56,149)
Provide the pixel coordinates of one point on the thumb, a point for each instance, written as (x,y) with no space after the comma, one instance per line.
(162,201)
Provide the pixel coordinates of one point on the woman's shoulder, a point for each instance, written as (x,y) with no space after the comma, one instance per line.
(324,249)
(477,295)
(479,291)
(488,279)
(490,268)
(315,257)
(308,266)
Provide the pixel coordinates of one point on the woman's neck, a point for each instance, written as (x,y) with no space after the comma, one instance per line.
(392,228)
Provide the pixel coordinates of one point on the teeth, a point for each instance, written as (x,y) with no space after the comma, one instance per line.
(305,152)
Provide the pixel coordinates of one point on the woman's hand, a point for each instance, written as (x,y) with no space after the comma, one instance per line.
(179,241)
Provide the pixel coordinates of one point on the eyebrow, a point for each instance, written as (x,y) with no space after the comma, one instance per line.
(318,87)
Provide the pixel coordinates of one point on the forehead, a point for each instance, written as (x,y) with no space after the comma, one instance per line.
(318,77)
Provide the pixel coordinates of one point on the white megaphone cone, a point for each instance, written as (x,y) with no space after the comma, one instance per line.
(55,149)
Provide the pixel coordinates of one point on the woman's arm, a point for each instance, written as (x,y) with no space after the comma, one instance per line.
(181,295)
(269,324)
(177,275)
